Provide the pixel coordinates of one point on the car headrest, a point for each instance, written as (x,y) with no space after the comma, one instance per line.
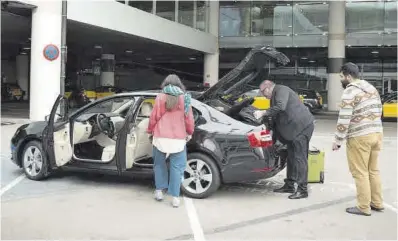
(146,109)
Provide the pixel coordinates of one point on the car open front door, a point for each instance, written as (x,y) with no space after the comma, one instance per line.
(126,141)
(56,136)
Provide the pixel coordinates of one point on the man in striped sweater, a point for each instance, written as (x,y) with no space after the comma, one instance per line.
(360,124)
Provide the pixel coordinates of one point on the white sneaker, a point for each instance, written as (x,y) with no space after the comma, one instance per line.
(175,202)
(158,195)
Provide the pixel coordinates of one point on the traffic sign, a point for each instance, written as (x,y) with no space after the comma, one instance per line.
(51,52)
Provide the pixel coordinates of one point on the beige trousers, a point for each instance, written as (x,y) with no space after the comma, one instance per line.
(363,158)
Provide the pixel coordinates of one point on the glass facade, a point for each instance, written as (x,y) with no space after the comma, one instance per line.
(371,23)
(189,13)
(306,23)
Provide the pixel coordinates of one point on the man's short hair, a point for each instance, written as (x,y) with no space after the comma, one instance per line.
(266,84)
(350,69)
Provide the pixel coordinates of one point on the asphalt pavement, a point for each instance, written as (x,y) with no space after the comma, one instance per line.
(86,206)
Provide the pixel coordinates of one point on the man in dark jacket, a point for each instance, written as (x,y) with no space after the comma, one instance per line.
(293,125)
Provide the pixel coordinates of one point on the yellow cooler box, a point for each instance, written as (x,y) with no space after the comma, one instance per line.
(316,166)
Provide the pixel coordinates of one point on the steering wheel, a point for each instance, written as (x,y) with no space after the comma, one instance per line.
(105,125)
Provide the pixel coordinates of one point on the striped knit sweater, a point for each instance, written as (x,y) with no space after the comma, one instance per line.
(360,112)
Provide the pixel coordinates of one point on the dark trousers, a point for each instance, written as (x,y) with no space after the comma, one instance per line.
(297,160)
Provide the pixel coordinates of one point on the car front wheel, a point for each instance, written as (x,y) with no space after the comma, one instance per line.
(34,161)
(201,176)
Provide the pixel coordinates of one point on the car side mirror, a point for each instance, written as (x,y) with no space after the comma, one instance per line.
(47,117)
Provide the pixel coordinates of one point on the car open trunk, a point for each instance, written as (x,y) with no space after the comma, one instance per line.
(252,69)
(253,66)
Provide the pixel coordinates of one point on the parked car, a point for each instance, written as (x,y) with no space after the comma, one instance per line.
(11,91)
(311,98)
(390,107)
(90,94)
(260,102)
(104,91)
(109,136)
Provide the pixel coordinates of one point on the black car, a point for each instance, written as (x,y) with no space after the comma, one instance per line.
(109,136)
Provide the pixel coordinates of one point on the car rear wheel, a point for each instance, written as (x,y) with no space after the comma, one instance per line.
(201,176)
(34,161)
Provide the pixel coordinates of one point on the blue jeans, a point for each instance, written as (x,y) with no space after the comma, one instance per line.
(178,162)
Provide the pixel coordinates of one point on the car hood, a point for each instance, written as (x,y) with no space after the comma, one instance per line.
(34,128)
(247,70)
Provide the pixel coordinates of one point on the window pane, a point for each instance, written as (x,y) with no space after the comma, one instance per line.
(390,18)
(201,20)
(185,12)
(142,5)
(166,9)
(310,18)
(235,21)
(365,17)
(271,18)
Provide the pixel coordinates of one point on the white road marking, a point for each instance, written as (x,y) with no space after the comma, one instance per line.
(12,184)
(197,229)
(352,186)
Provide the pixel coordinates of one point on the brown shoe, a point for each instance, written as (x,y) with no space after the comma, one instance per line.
(376,209)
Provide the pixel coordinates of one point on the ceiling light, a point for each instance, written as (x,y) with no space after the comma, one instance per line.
(324,3)
(23,53)
(129,51)
(192,58)
(312,61)
(148,58)
(26,48)
(379,45)
(375,52)
(97,47)
(304,58)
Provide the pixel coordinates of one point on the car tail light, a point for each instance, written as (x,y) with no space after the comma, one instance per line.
(261,138)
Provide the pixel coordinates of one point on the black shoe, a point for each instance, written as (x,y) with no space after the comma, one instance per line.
(299,195)
(285,189)
(356,211)
(376,209)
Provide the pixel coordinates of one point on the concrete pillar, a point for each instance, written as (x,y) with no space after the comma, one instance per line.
(44,74)
(107,70)
(211,61)
(336,52)
(22,73)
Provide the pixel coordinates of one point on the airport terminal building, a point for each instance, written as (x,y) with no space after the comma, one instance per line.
(47,45)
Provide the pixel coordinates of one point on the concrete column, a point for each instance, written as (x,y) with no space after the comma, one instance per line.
(44,74)
(336,52)
(107,70)
(22,73)
(211,61)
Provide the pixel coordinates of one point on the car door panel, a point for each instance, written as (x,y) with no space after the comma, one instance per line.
(131,144)
(56,137)
(126,143)
(62,146)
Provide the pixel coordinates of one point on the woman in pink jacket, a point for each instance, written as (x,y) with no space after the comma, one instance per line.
(171,125)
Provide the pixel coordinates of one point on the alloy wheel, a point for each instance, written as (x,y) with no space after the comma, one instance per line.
(197,177)
(33,161)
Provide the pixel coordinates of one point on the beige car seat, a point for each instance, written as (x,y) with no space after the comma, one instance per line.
(144,146)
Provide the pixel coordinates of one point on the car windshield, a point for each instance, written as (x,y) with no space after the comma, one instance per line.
(114,105)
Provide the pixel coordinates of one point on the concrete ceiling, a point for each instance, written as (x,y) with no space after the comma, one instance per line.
(83,40)
(87,39)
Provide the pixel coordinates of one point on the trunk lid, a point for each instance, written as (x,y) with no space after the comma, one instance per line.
(235,82)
